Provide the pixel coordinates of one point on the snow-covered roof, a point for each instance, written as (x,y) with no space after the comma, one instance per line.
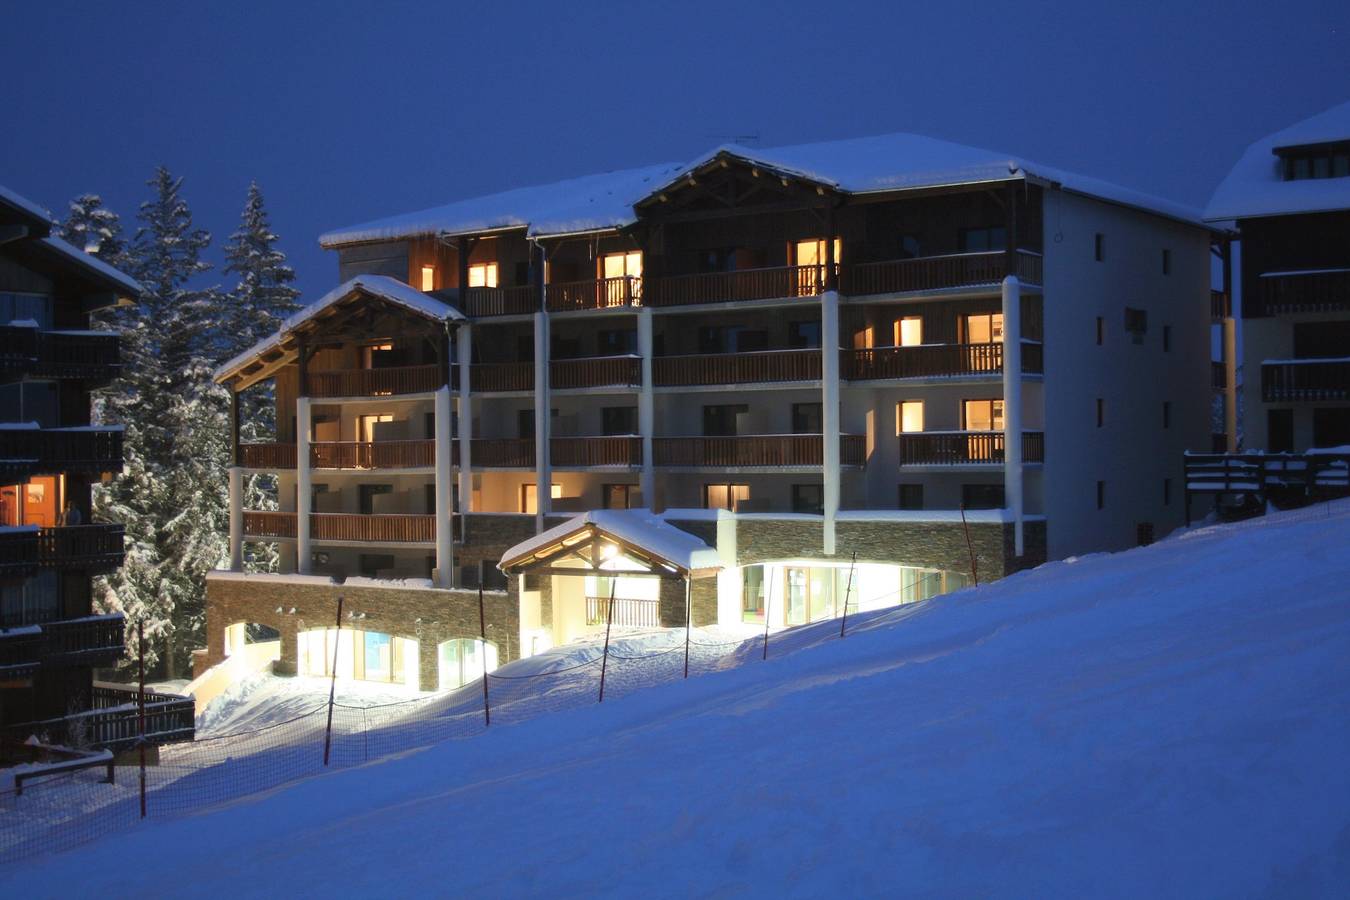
(23,205)
(1256,186)
(382,286)
(634,527)
(96,267)
(890,162)
(588,203)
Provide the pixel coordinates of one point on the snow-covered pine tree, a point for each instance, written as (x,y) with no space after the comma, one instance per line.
(92,227)
(261,299)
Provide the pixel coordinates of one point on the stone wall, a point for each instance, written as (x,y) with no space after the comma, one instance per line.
(292,605)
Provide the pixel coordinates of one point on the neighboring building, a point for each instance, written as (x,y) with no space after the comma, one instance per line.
(50,549)
(1290,197)
(787,357)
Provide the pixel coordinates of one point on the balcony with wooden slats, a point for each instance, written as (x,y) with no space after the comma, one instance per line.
(937,273)
(269,524)
(18,551)
(87,548)
(485,302)
(964,448)
(1315,290)
(754,451)
(935,361)
(415,454)
(777,283)
(95,640)
(598,293)
(503,453)
(374,529)
(269,457)
(1307,380)
(92,357)
(763,367)
(595,452)
(25,452)
(564,374)
(383,382)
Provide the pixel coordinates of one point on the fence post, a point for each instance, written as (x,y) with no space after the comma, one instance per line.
(974,575)
(609,622)
(332,685)
(768,608)
(140,648)
(482,631)
(688,617)
(848,589)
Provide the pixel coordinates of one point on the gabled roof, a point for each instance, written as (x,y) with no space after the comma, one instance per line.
(25,210)
(1256,186)
(381,287)
(636,533)
(890,162)
(94,268)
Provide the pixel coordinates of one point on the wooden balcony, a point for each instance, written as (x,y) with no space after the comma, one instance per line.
(601,293)
(626,613)
(769,450)
(1321,290)
(375,382)
(736,368)
(114,722)
(957,448)
(89,548)
(78,354)
(18,551)
(935,361)
(595,371)
(778,283)
(500,377)
(269,525)
(933,273)
(481,303)
(31,451)
(387,528)
(1305,380)
(272,457)
(95,640)
(418,454)
(589,452)
(503,453)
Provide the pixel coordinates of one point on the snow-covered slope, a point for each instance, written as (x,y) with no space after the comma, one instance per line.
(1170,721)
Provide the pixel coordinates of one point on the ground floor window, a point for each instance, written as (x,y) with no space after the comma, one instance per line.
(463,660)
(359,655)
(797,594)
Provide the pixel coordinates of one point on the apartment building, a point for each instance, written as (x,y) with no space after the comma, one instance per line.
(753,389)
(1289,196)
(50,455)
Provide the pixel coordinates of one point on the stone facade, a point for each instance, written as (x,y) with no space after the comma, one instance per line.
(292,605)
(702,602)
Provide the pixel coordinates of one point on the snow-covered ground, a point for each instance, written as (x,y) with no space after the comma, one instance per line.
(1170,721)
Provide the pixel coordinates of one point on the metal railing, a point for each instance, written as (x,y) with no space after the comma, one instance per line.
(951,448)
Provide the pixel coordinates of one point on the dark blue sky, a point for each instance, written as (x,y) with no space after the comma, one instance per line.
(349,111)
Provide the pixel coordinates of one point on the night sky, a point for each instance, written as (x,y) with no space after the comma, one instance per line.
(345,112)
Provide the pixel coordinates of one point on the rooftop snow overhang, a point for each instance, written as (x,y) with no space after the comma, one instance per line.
(265,357)
(585,543)
(22,211)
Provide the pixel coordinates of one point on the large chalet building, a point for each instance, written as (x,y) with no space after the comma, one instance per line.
(50,640)
(776,380)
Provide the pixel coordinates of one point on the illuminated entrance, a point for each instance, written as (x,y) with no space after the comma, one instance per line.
(360,655)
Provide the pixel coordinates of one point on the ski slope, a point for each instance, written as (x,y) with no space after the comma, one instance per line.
(1169,721)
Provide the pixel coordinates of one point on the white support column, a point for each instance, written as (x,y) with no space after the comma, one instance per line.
(1230,391)
(646,409)
(543,468)
(236,519)
(445,551)
(303,485)
(464,357)
(829,412)
(1012,405)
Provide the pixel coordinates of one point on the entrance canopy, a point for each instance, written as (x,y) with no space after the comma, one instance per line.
(617,537)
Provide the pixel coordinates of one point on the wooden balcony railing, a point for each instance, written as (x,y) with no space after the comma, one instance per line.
(511,376)
(18,347)
(601,293)
(627,613)
(931,273)
(929,361)
(101,636)
(745,284)
(596,371)
(78,354)
(90,451)
(753,450)
(84,547)
(505,453)
(21,652)
(115,721)
(737,368)
(376,382)
(585,452)
(267,456)
(500,301)
(951,448)
(268,524)
(1321,290)
(1303,380)
(408,529)
(373,454)
(18,551)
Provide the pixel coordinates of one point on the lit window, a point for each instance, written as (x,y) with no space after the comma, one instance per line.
(529,499)
(908,416)
(984,329)
(983,415)
(428,278)
(617,265)
(810,256)
(483,275)
(725,496)
(909,331)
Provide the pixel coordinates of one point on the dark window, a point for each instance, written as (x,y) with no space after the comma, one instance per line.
(911,496)
(804,335)
(371,563)
(720,420)
(524,348)
(1324,161)
(429,426)
(711,339)
(618,420)
(1321,340)
(982,496)
(806,418)
(1167,492)
(1167,262)
(1167,414)
(31,401)
(616,342)
(618,496)
(1143,533)
(522,271)
(1331,426)
(808,498)
(565,347)
(1101,495)
(974,240)
(525,423)
(367,494)
(1101,412)
(1280,430)
(749,340)
(1101,330)
(1167,338)
(1099,247)
(1136,323)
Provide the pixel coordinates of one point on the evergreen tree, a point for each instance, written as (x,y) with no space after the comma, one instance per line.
(92,227)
